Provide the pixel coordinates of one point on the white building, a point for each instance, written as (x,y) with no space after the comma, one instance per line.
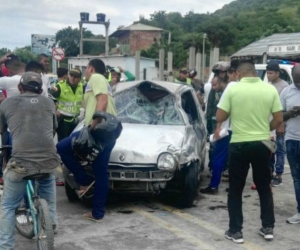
(148,70)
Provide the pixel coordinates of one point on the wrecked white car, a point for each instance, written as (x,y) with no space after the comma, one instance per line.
(162,146)
(163,143)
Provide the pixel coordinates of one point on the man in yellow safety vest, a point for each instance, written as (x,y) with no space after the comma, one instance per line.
(69,96)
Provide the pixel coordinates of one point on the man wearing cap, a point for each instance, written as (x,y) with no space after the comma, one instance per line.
(115,76)
(273,74)
(183,77)
(31,120)
(69,96)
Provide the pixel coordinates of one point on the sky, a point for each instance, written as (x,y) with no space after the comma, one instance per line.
(19,19)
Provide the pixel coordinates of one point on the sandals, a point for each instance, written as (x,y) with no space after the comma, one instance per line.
(89,216)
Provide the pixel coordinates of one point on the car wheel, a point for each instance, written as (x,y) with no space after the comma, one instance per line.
(190,185)
(71,193)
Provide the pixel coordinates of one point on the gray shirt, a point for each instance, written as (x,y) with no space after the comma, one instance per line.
(280,85)
(289,98)
(31,120)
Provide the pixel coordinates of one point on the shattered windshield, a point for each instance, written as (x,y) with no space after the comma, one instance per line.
(134,107)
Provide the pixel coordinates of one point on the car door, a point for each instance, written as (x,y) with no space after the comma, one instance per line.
(189,104)
(284,75)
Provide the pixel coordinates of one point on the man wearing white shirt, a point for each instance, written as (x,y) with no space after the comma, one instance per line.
(10,83)
(221,149)
(43,59)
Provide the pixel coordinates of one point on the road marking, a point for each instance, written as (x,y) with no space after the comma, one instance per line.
(175,230)
(203,224)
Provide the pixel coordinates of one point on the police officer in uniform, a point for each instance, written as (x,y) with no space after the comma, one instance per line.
(69,97)
(183,77)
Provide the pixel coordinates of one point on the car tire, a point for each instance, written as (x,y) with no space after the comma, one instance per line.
(71,193)
(190,185)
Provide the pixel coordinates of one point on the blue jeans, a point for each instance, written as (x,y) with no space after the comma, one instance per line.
(278,164)
(14,189)
(220,157)
(293,156)
(100,164)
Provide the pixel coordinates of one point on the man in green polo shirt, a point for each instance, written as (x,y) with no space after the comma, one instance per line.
(97,97)
(250,104)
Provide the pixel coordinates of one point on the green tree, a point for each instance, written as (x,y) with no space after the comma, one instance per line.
(25,54)
(4,51)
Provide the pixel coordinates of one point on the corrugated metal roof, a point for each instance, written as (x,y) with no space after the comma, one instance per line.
(134,27)
(261,46)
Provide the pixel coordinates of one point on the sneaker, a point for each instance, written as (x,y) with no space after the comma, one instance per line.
(267,233)
(276,181)
(294,219)
(209,190)
(235,237)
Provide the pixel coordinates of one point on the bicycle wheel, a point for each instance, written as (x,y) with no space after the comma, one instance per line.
(24,222)
(45,234)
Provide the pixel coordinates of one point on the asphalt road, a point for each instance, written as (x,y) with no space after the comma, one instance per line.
(135,223)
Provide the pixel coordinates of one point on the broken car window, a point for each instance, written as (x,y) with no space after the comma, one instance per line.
(134,107)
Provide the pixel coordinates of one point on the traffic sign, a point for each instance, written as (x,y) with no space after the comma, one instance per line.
(58,54)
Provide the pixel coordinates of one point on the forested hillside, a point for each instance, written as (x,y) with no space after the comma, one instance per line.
(231,28)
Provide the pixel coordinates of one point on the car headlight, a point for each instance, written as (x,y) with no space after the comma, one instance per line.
(166,161)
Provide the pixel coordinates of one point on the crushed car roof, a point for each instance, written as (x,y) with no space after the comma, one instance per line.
(169,86)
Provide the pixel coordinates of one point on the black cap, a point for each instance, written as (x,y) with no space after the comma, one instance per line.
(273,66)
(31,80)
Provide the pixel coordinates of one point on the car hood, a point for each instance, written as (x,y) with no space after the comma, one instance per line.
(142,144)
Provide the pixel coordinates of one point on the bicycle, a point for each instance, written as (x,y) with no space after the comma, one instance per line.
(33,216)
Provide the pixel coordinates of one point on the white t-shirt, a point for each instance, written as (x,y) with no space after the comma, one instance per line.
(46,84)
(10,84)
(207,89)
(226,124)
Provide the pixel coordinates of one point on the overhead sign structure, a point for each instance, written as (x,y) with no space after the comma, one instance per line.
(291,48)
(42,44)
(58,54)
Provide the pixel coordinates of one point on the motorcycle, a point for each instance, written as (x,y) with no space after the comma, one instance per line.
(86,148)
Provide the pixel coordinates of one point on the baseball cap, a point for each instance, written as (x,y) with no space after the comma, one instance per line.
(221,66)
(31,80)
(183,70)
(273,66)
(75,72)
(193,72)
(115,69)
